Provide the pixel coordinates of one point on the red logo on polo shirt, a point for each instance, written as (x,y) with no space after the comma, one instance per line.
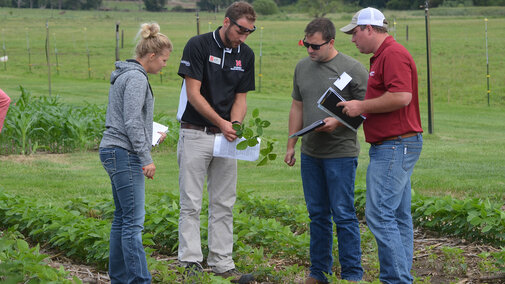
(238,63)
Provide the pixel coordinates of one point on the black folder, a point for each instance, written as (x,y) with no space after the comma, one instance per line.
(308,129)
(328,102)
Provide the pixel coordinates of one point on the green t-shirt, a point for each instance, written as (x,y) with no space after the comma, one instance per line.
(310,81)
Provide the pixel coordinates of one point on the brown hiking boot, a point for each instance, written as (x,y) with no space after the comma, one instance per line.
(236,277)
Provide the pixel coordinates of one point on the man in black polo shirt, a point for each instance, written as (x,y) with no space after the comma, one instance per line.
(218,71)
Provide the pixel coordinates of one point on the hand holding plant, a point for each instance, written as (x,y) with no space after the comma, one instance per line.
(252,133)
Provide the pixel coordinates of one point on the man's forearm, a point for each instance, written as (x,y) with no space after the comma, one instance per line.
(239,108)
(387,102)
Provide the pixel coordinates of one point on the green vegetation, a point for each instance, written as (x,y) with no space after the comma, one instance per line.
(43,123)
(462,160)
(265,7)
(21,264)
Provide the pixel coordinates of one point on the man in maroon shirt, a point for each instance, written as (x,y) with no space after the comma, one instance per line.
(393,128)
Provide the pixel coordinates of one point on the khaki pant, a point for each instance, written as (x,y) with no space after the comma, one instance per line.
(194,155)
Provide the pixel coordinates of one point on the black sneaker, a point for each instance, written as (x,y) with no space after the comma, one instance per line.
(193,270)
(236,277)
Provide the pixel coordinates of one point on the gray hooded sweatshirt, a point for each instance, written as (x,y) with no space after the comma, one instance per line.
(129,119)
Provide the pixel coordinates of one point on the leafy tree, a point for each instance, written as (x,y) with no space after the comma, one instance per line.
(214,5)
(373,3)
(155,5)
(56,4)
(319,8)
(489,2)
(285,2)
(398,4)
(265,7)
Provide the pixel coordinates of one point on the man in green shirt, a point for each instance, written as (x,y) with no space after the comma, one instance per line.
(329,155)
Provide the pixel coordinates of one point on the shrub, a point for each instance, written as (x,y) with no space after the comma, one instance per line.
(265,7)
(155,5)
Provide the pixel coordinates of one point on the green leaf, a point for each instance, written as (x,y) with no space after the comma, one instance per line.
(22,245)
(256,112)
(263,162)
(487,228)
(265,123)
(236,127)
(242,145)
(252,142)
(248,133)
(259,130)
(272,157)
(265,151)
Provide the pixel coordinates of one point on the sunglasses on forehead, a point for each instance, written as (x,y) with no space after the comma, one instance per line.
(243,30)
(314,46)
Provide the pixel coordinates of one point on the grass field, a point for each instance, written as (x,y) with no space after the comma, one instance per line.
(463,157)
(460,158)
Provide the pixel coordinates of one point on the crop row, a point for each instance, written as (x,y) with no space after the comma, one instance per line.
(263,228)
(21,264)
(267,230)
(472,219)
(264,223)
(86,239)
(45,123)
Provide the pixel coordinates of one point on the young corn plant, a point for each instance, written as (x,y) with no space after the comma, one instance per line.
(34,123)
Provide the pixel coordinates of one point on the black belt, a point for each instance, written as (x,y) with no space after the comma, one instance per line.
(207,129)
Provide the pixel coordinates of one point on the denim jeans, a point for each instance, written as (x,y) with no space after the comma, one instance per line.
(328,186)
(388,200)
(127,259)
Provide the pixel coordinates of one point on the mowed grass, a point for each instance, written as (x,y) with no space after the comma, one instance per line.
(463,157)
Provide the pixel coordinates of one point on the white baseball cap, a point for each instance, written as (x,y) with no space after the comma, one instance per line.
(366,16)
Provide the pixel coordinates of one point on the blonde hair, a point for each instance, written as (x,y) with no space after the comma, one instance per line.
(151,40)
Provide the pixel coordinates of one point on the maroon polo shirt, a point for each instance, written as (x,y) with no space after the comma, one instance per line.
(392,69)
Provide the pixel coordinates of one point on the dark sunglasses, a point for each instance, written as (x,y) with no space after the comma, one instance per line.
(243,30)
(314,46)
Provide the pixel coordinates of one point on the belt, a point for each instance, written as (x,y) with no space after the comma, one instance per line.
(207,129)
(406,135)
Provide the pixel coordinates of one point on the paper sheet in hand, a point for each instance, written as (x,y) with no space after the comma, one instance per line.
(342,81)
(226,149)
(308,129)
(158,128)
(328,102)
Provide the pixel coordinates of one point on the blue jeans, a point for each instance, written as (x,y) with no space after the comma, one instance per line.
(127,259)
(328,186)
(388,199)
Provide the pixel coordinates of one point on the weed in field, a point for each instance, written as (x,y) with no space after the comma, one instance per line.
(486,264)
(453,262)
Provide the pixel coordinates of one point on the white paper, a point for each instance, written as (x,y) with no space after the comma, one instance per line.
(342,81)
(226,149)
(158,128)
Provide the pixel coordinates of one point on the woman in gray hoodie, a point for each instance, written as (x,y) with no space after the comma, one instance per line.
(125,152)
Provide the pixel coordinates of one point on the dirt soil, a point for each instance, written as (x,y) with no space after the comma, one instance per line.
(436,260)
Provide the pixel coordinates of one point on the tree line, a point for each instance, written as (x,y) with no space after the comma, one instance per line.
(53,4)
(213,5)
(217,5)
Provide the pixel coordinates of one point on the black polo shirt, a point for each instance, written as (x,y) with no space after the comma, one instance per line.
(223,71)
